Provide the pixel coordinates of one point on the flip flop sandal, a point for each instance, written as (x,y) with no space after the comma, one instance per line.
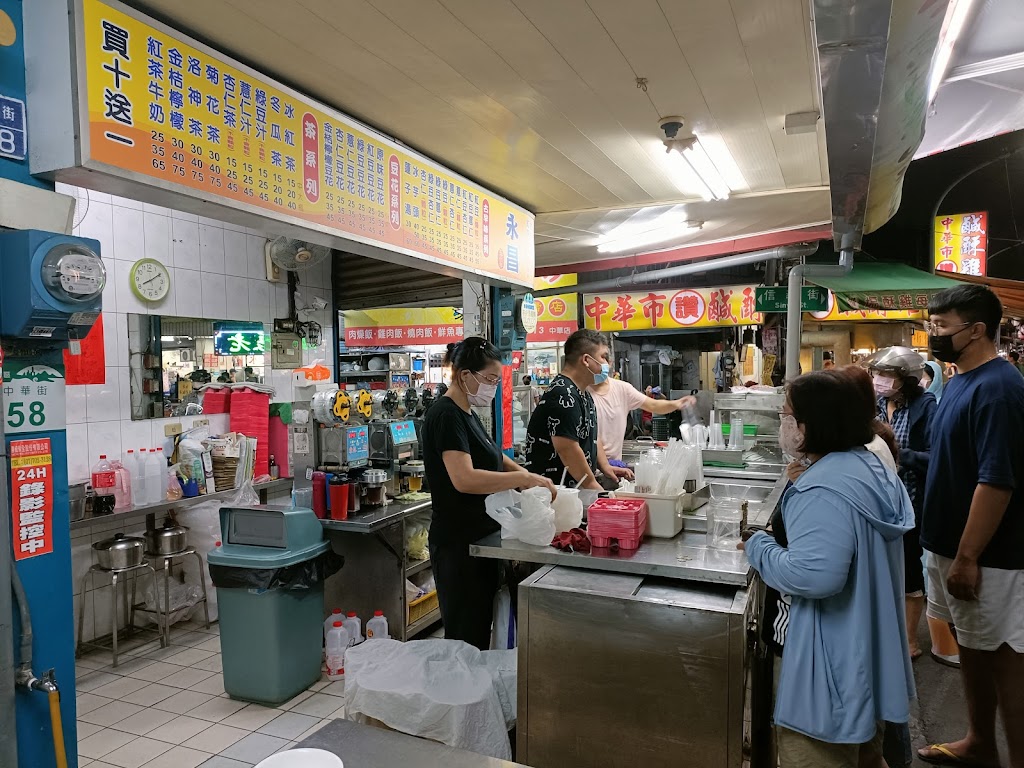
(948,757)
(946,661)
(916,655)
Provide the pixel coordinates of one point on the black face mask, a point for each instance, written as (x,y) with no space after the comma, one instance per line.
(942,347)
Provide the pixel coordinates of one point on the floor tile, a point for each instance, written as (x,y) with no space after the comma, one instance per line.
(152,694)
(217,709)
(339,714)
(85,730)
(254,747)
(289,745)
(94,680)
(289,725)
(188,638)
(155,671)
(100,764)
(318,705)
(224,762)
(145,721)
(179,757)
(90,662)
(127,664)
(210,644)
(309,732)
(188,657)
(183,702)
(216,738)
(213,685)
(252,718)
(186,678)
(179,729)
(120,688)
(297,700)
(85,762)
(103,742)
(87,702)
(110,714)
(337,688)
(213,664)
(322,683)
(137,753)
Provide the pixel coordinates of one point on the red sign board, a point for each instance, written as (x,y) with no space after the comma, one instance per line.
(506,407)
(32,497)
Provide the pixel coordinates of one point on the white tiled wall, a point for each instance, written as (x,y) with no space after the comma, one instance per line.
(218,272)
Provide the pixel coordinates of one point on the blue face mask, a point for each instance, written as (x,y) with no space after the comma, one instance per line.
(602,377)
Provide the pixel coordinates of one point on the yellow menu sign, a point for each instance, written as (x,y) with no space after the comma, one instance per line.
(166,108)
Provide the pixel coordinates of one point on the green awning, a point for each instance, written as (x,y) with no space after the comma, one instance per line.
(871,285)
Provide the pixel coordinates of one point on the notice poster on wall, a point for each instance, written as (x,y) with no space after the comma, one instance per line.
(31,497)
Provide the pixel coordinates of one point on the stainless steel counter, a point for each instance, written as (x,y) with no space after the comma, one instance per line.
(364,745)
(684,557)
(373,520)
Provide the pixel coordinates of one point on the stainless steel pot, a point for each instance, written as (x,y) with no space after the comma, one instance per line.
(76,501)
(168,540)
(119,552)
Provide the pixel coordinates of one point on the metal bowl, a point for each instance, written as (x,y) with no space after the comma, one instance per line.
(119,552)
(168,540)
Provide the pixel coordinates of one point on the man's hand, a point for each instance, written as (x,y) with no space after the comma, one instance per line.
(964,579)
(683,402)
(794,469)
(622,473)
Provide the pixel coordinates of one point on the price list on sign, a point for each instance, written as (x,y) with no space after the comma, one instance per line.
(31,497)
(168,109)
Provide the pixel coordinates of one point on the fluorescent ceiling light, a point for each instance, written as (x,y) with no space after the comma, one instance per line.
(691,153)
(952,26)
(618,240)
(167,338)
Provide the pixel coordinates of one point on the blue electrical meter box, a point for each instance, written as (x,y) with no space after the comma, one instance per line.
(53,284)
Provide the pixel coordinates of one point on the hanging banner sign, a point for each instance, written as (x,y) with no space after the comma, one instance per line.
(33,396)
(672,310)
(961,243)
(31,497)
(164,110)
(556,317)
(833,313)
(402,327)
(554,281)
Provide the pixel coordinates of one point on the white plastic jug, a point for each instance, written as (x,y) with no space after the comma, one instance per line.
(377,627)
(336,615)
(354,627)
(156,473)
(337,644)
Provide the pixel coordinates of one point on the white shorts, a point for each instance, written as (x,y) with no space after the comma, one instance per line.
(996,617)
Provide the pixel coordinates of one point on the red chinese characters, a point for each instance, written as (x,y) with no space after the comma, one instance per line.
(596,309)
(748,304)
(653,307)
(624,310)
(485,215)
(395,192)
(720,307)
(31,497)
(687,307)
(310,157)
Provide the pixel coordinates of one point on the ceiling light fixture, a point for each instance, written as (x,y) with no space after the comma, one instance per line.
(617,240)
(952,26)
(689,151)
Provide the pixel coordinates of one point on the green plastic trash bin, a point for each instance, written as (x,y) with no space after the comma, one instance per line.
(269,575)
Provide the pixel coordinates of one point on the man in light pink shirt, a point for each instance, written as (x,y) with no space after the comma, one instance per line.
(614,399)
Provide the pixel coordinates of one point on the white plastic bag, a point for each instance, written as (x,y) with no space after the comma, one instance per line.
(532,523)
(503,633)
(444,690)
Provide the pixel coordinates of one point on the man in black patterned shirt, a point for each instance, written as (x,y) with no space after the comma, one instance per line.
(563,429)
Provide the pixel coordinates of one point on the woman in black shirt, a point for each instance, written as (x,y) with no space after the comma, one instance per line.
(463,465)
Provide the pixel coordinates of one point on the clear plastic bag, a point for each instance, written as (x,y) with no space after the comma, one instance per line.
(532,523)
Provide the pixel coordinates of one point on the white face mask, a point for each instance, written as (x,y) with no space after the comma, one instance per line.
(791,441)
(885,386)
(484,394)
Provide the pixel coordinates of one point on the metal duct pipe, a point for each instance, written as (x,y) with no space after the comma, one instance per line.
(690,268)
(794,313)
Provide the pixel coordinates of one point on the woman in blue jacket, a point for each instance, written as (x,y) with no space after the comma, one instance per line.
(845,666)
(908,409)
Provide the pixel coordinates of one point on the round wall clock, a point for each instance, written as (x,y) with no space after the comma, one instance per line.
(151,280)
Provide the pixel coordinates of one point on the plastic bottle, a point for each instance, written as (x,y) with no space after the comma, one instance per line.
(320,494)
(122,487)
(275,471)
(336,615)
(132,466)
(140,491)
(155,492)
(337,644)
(354,627)
(104,478)
(377,627)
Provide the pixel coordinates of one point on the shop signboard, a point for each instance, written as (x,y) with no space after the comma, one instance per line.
(422,326)
(776,299)
(548,282)
(556,317)
(961,243)
(238,338)
(672,310)
(31,497)
(833,314)
(33,395)
(162,110)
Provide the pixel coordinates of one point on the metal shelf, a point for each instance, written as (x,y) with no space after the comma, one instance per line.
(423,623)
(361,374)
(417,566)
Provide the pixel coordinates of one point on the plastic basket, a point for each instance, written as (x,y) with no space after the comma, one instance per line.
(421,606)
